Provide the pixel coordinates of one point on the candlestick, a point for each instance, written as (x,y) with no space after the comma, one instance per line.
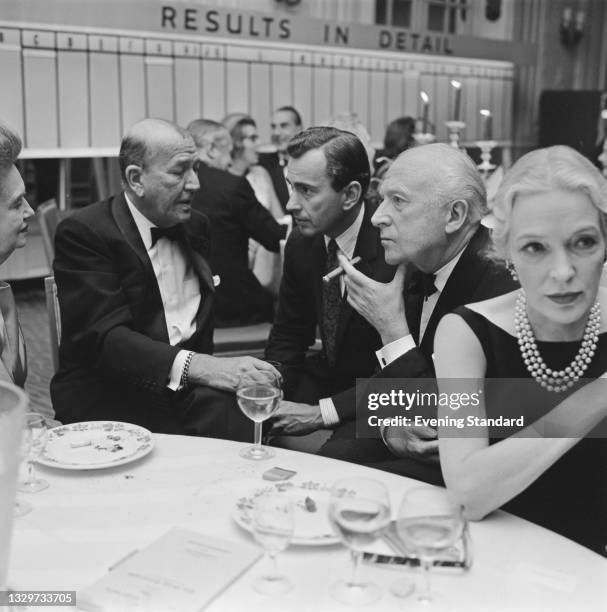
(458,100)
(486,166)
(426,110)
(455,128)
(487,124)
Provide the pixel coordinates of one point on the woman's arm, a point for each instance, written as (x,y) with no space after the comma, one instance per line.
(485,477)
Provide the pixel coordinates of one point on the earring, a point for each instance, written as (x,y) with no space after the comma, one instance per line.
(510,267)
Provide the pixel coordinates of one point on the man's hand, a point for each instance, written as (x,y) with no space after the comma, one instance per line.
(416,442)
(296,419)
(381,304)
(227,372)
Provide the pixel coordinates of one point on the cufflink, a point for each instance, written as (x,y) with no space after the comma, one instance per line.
(216,280)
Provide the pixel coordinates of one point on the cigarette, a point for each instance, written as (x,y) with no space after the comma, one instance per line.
(327,278)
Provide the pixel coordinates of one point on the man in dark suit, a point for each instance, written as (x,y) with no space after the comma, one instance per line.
(235,215)
(433,200)
(329,173)
(286,122)
(136,296)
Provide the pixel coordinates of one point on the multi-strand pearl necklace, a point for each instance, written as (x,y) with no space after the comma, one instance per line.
(555,380)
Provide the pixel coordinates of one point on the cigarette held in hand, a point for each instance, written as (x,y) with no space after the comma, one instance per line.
(327,278)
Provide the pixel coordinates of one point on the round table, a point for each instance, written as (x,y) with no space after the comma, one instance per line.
(88,520)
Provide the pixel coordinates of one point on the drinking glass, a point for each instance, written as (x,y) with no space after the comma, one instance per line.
(430,520)
(273,526)
(21,507)
(13,404)
(35,440)
(258,399)
(359,510)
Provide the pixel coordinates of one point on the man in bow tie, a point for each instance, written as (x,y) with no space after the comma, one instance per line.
(136,296)
(14,214)
(429,219)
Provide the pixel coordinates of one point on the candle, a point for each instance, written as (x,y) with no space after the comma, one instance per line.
(426,109)
(458,100)
(487,124)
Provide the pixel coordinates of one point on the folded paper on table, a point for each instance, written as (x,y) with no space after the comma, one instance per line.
(182,570)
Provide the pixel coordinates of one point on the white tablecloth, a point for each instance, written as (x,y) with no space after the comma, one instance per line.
(86,521)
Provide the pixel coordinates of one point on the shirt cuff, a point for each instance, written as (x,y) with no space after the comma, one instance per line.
(390,352)
(174,383)
(327,410)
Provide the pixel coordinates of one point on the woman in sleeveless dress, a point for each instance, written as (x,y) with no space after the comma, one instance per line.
(549,218)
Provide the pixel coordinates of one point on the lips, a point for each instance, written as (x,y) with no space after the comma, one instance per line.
(565,298)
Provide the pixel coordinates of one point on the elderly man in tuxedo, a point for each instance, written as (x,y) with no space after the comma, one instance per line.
(14,214)
(329,174)
(136,296)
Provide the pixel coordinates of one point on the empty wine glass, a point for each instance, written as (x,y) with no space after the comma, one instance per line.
(273,526)
(430,520)
(21,507)
(258,399)
(359,509)
(35,440)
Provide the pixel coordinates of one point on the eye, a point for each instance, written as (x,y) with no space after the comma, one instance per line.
(533,248)
(585,242)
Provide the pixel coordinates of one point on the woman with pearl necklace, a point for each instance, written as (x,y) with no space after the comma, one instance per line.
(549,340)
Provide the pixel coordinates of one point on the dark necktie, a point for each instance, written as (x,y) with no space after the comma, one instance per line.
(331,303)
(172,233)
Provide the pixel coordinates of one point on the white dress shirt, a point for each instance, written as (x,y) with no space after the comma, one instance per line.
(346,243)
(179,288)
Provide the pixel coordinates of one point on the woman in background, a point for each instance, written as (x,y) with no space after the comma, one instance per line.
(265,265)
(550,227)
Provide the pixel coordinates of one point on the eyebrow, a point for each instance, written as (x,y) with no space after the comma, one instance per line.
(585,228)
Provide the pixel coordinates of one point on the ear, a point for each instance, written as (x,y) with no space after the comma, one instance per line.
(457,214)
(351,196)
(133,177)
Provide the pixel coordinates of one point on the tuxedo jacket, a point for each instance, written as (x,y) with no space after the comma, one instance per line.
(474,278)
(271,162)
(235,215)
(300,313)
(115,356)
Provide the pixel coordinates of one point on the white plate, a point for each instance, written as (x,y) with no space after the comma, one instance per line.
(94,445)
(311,503)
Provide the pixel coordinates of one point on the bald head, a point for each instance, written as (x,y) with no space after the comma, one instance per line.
(147,138)
(158,163)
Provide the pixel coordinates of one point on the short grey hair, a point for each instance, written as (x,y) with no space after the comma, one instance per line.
(206,131)
(10,146)
(553,168)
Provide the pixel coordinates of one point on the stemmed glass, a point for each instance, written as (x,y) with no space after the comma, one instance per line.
(273,525)
(21,507)
(359,509)
(258,399)
(34,441)
(429,521)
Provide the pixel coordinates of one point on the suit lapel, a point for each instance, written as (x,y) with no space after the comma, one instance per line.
(460,286)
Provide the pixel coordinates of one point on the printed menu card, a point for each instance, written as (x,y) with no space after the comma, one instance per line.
(182,570)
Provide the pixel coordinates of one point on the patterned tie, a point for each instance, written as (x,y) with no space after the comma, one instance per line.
(331,302)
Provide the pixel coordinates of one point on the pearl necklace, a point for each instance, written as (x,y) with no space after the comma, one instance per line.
(555,380)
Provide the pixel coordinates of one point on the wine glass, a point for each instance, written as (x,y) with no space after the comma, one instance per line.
(273,525)
(258,399)
(430,520)
(359,510)
(21,507)
(35,440)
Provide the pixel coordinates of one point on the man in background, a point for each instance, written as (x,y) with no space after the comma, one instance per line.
(235,215)
(286,122)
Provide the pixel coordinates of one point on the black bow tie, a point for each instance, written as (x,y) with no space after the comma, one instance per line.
(423,284)
(171,233)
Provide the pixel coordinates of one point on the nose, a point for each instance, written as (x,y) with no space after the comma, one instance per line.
(28,211)
(293,204)
(562,269)
(380,217)
(192,183)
